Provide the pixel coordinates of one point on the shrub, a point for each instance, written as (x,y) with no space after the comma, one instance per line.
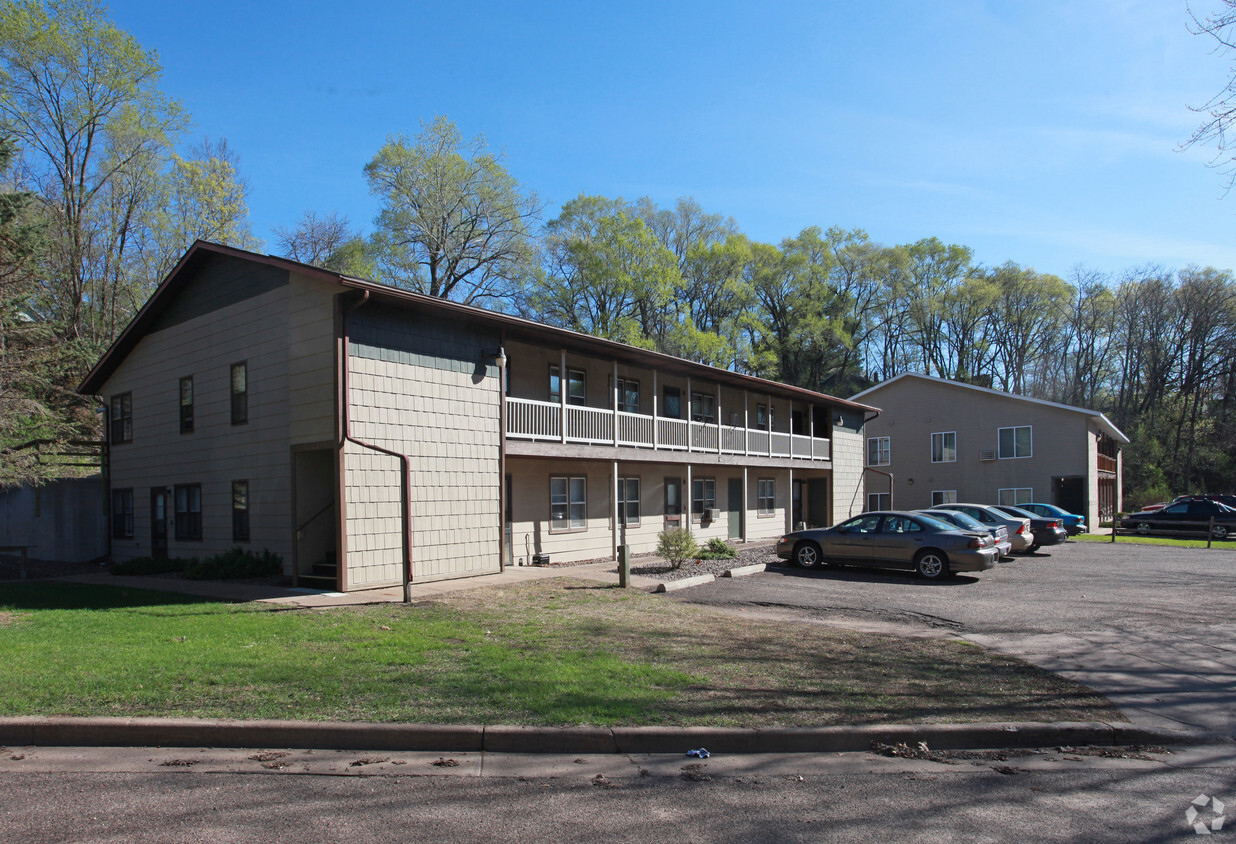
(235,564)
(150,565)
(676,545)
(717,549)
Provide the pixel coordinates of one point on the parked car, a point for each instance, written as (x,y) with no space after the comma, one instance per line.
(1226,500)
(997,532)
(1046,531)
(892,539)
(1018,527)
(1071,522)
(1191,516)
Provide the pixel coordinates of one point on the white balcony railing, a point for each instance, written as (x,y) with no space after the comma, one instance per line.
(529,419)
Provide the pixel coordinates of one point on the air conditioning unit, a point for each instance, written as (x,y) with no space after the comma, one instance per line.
(712,514)
(987,455)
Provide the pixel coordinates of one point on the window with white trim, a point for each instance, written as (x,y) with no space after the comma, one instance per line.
(879,451)
(576,387)
(703,496)
(568,503)
(766,497)
(628,501)
(1016,442)
(943,496)
(878,501)
(628,395)
(944,447)
(1015,496)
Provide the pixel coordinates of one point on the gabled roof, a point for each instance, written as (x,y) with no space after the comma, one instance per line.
(1100,419)
(202,250)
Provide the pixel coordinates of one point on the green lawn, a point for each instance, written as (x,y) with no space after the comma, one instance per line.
(551,652)
(1138,539)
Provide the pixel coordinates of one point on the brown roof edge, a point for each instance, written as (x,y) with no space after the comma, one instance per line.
(136,327)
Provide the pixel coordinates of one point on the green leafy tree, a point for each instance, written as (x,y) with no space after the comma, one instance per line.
(454,223)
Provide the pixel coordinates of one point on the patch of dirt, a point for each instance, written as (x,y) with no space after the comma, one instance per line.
(368,760)
(179,763)
(1135,751)
(694,772)
(268,756)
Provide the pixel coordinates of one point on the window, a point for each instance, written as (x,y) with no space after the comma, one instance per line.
(944,447)
(122,514)
(186,405)
(628,501)
(122,418)
(943,496)
(879,500)
(703,408)
(673,496)
(703,496)
(568,503)
(879,451)
(240,511)
(576,391)
(1015,497)
(240,393)
(189,512)
(766,497)
(628,395)
(1015,442)
(761,417)
(671,406)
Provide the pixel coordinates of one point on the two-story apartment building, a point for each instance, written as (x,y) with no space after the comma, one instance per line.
(369,434)
(943,441)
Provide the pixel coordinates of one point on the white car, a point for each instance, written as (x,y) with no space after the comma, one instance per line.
(1020,535)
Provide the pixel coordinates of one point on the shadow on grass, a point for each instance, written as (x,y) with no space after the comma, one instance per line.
(50,595)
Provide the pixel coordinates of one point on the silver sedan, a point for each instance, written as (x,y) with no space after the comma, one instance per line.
(892,539)
(1020,534)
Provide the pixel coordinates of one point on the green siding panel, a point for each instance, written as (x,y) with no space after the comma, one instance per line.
(219,282)
(408,337)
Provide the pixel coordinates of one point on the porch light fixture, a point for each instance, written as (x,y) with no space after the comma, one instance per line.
(500,357)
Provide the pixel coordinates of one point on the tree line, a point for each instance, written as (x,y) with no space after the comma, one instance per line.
(104,192)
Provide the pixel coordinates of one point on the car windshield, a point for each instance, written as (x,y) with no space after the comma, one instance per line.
(962,520)
(1017,511)
(936,523)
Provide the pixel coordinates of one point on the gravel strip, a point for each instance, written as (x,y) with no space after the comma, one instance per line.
(747,556)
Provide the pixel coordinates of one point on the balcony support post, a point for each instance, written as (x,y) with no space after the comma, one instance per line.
(746,429)
(656,426)
(690,421)
(562,394)
(745,493)
(811,431)
(614,397)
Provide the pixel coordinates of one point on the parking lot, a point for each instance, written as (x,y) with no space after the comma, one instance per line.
(1150,626)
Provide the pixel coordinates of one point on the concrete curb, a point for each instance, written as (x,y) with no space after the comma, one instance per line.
(685,583)
(187,732)
(743,571)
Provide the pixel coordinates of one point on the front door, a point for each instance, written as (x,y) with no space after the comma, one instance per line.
(734,499)
(158,523)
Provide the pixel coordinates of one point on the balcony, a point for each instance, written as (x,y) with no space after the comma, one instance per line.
(529,419)
(1107,464)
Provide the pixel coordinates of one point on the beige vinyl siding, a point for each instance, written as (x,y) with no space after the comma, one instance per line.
(448,425)
(311,360)
(216,452)
(912,409)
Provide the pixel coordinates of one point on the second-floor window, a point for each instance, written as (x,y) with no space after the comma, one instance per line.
(628,395)
(944,447)
(121,428)
(761,417)
(576,388)
(1016,442)
(879,451)
(671,405)
(186,404)
(703,408)
(240,393)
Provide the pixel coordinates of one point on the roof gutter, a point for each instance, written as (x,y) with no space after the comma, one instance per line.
(345,435)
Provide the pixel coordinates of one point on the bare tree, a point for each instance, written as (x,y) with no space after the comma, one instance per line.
(1220,110)
(315,239)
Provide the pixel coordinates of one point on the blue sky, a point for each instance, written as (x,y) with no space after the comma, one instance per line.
(1043,132)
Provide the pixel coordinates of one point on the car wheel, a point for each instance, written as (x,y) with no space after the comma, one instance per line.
(807,555)
(1143,527)
(932,565)
(1033,548)
(1220,532)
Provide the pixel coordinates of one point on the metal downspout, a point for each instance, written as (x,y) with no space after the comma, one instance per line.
(406,462)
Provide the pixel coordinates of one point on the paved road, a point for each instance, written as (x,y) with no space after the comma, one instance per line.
(1152,627)
(206,796)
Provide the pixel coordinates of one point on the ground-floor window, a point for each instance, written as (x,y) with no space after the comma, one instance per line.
(1015,496)
(766,496)
(878,500)
(628,501)
(943,496)
(568,503)
(703,496)
(189,512)
(240,511)
(122,513)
